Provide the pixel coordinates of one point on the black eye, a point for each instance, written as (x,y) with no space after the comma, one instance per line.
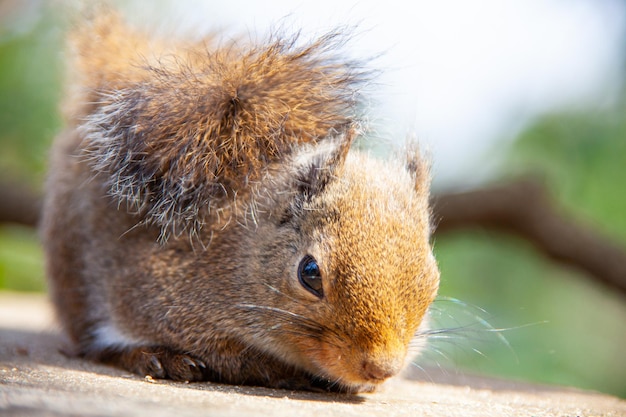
(310,276)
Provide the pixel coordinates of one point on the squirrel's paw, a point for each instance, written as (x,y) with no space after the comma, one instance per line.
(164,363)
(157,362)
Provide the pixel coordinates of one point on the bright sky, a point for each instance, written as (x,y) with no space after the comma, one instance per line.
(458,75)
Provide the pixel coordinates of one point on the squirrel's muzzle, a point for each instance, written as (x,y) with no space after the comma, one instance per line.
(379,370)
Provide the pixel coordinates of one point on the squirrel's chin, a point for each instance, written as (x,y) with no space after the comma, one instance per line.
(359,387)
(366,387)
(342,386)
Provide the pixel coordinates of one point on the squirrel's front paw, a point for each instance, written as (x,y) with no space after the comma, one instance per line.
(164,363)
(157,362)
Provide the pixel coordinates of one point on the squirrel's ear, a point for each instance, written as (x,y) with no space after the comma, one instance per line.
(315,166)
(419,167)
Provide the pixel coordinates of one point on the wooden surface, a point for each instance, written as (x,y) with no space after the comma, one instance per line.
(37,380)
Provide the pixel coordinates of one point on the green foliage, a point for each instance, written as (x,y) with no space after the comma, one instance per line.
(579,327)
(30,87)
(21,259)
(561,327)
(582,158)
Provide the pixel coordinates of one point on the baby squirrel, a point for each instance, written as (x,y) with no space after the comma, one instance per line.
(206,219)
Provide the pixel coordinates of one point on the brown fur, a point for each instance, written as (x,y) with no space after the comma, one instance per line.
(178,134)
(188,186)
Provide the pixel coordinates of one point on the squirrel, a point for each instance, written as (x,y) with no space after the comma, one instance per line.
(207,219)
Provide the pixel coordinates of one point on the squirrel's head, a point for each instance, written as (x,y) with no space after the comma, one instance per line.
(347,265)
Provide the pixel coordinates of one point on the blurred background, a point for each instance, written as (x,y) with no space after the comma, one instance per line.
(495,90)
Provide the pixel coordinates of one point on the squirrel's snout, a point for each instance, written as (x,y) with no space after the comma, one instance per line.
(379,371)
(360,367)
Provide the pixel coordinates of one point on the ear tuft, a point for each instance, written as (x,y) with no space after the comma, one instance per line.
(419,168)
(315,167)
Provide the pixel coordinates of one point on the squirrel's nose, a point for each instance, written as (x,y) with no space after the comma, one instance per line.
(380,370)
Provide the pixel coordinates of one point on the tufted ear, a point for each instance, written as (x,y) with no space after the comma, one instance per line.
(419,167)
(316,166)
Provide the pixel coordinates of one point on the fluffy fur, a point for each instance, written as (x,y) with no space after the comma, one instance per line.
(179,136)
(171,139)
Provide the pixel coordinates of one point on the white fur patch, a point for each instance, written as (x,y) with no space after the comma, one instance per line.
(108,335)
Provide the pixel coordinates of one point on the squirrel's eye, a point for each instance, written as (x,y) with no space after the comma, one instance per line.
(310,276)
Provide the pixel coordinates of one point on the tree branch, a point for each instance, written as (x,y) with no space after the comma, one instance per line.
(523,208)
(19,204)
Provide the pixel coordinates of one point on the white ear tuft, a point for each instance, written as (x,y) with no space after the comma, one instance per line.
(315,166)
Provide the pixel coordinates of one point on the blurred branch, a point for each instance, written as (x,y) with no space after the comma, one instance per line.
(524,209)
(19,204)
(521,208)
